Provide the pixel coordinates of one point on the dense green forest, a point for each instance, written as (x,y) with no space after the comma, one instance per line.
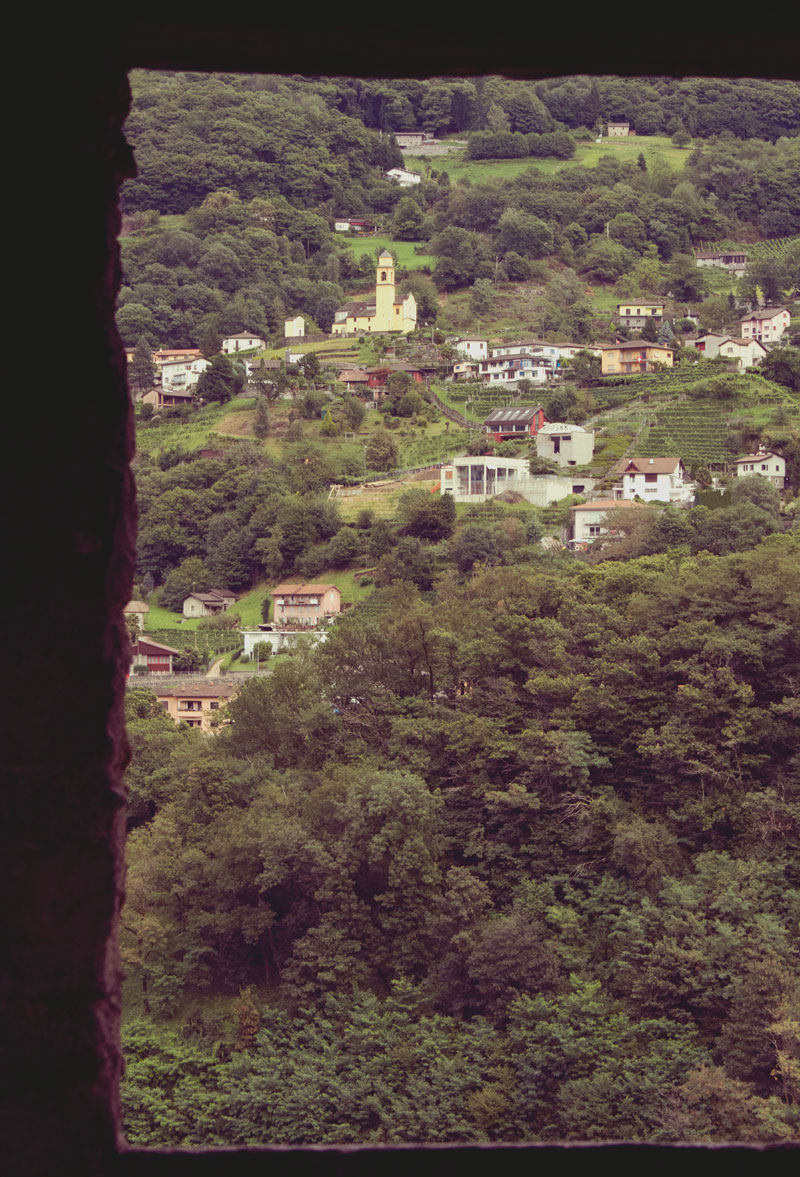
(259,168)
(514,853)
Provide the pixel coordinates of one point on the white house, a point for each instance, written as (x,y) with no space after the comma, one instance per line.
(508,369)
(662,479)
(473,347)
(766,464)
(765,325)
(568,445)
(403,177)
(182,375)
(589,519)
(476,479)
(242,342)
(279,639)
(743,353)
(618,129)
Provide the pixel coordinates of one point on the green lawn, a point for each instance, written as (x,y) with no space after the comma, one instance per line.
(460,167)
(204,427)
(405,252)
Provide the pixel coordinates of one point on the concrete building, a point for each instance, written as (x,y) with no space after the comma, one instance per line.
(730,260)
(568,445)
(232,344)
(477,479)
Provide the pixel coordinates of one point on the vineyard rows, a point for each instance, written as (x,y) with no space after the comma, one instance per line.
(697,435)
(757,250)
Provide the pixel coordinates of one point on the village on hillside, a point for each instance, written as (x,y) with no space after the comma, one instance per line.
(515,452)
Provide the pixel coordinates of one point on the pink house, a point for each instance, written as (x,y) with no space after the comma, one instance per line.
(305,604)
(765,325)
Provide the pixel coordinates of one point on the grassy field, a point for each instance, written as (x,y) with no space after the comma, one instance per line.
(588,154)
(405,252)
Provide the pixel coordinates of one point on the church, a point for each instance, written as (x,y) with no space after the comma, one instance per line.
(386,312)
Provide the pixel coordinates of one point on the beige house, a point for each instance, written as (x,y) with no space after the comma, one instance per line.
(305,604)
(214,600)
(294,328)
(200,704)
(630,358)
(387,312)
(589,519)
(734,261)
(618,129)
(568,445)
(764,463)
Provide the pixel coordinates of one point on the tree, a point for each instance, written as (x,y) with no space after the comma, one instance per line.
(782,365)
(426,516)
(218,380)
(261,424)
(312,369)
(142,369)
(481,297)
(650,330)
(381,451)
(760,491)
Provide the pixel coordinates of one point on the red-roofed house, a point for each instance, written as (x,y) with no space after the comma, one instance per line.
(153,656)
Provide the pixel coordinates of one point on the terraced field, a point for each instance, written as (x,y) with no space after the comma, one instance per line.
(695,433)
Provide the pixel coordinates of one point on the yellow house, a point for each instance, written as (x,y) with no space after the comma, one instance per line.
(387,312)
(634,357)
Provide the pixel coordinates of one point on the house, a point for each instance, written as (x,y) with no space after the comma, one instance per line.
(403,177)
(589,519)
(305,604)
(742,353)
(636,356)
(764,463)
(166,355)
(412,138)
(664,479)
(152,657)
(294,328)
(474,479)
(137,609)
(734,261)
(242,342)
(160,399)
(214,600)
(473,347)
(568,445)
(765,325)
(634,315)
(355,379)
(182,375)
(351,225)
(199,704)
(513,422)
(465,370)
(278,639)
(618,129)
(387,312)
(510,368)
